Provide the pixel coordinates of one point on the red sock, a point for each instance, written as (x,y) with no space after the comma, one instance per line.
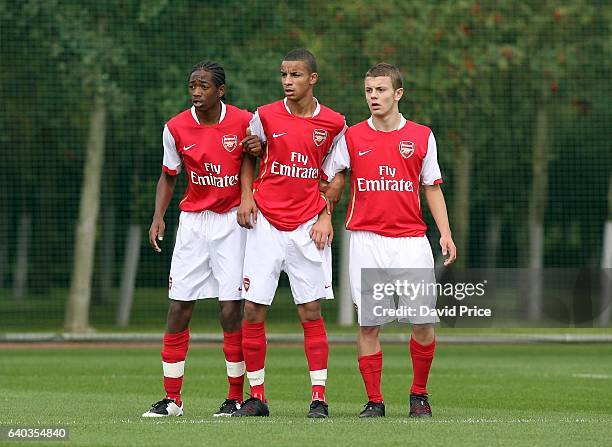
(173,354)
(317,352)
(422,356)
(234,361)
(370,367)
(254,351)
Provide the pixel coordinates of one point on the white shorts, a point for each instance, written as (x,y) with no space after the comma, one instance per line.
(269,250)
(207,258)
(409,255)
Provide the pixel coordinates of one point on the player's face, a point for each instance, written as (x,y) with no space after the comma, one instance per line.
(203,92)
(297,80)
(382,98)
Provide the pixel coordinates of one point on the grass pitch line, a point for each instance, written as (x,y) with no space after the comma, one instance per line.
(592,376)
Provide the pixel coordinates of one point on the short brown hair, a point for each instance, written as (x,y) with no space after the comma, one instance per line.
(384,69)
(302,55)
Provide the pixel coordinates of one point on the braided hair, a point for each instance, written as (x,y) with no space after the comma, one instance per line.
(217,71)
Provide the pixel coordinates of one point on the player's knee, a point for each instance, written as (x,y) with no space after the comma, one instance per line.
(310,311)
(369,332)
(179,315)
(230,315)
(253,312)
(423,333)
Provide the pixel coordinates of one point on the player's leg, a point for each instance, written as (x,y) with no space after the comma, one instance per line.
(417,256)
(422,349)
(370,359)
(174,353)
(263,259)
(254,347)
(230,317)
(190,279)
(227,242)
(365,252)
(316,348)
(309,272)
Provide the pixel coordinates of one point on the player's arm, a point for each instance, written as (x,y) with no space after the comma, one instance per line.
(437,206)
(163,196)
(333,190)
(431,179)
(165,188)
(247,207)
(333,176)
(322,232)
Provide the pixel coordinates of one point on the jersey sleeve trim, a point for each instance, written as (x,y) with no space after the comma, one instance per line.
(169,171)
(430,171)
(256,127)
(337,160)
(172,160)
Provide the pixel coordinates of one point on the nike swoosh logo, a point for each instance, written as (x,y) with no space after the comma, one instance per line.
(276,135)
(364,152)
(186,148)
(327,287)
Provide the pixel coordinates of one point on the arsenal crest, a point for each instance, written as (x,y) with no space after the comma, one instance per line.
(406,148)
(230,142)
(247,283)
(319,136)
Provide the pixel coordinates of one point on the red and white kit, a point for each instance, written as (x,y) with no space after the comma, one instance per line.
(384,213)
(209,249)
(287,195)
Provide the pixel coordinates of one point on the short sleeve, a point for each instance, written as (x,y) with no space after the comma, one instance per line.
(338,136)
(257,128)
(430,172)
(337,160)
(172,160)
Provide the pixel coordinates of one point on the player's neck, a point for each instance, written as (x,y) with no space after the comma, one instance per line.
(211,116)
(389,122)
(304,107)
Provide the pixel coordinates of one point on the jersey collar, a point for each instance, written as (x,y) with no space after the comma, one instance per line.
(195,115)
(316,110)
(401,124)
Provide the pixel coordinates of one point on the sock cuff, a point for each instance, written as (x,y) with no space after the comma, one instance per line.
(370,363)
(418,348)
(234,338)
(178,337)
(313,323)
(253,328)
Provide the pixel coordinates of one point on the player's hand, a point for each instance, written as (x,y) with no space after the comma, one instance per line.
(448,248)
(247,208)
(251,144)
(333,192)
(322,232)
(156,232)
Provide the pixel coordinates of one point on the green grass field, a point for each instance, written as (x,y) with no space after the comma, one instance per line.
(481,395)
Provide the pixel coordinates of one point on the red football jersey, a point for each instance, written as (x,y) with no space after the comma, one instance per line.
(287,188)
(211,156)
(386,169)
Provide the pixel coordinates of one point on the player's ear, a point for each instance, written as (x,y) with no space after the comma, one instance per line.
(314,77)
(221,91)
(399,93)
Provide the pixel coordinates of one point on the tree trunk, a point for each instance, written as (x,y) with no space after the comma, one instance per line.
(128,279)
(537,206)
(461,206)
(106,256)
(77,310)
(606,265)
(20,277)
